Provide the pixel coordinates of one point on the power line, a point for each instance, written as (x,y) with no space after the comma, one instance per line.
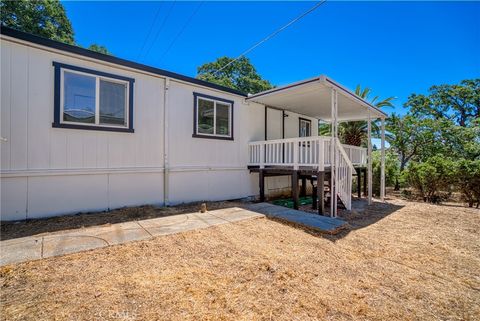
(161,27)
(273,34)
(151,29)
(181,31)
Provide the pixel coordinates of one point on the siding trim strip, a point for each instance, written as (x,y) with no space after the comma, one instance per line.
(108,171)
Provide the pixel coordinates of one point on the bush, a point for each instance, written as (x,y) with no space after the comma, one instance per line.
(392,170)
(467,180)
(431,177)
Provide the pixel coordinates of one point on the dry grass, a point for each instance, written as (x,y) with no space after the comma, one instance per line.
(421,262)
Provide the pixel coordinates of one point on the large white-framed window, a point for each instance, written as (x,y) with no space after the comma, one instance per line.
(93,100)
(213,117)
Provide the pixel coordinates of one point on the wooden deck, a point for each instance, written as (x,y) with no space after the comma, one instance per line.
(303,174)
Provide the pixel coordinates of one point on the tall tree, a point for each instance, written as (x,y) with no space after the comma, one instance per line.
(240,75)
(46,18)
(406,138)
(459,103)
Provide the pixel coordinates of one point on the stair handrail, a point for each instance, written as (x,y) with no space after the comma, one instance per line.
(344,154)
(344,190)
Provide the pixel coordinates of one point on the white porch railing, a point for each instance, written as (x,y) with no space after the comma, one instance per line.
(313,152)
(356,155)
(300,152)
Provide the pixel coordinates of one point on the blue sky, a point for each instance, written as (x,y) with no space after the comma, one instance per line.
(396,48)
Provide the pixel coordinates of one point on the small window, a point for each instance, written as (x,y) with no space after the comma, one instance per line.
(213,117)
(88,99)
(305,127)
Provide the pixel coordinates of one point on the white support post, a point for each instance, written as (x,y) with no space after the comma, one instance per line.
(333,155)
(321,155)
(369,155)
(382,168)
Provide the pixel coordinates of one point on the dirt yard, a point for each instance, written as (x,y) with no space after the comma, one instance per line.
(400,261)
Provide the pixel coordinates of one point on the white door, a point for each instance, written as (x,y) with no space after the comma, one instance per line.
(274,124)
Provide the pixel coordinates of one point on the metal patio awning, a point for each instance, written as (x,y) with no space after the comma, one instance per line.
(313,97)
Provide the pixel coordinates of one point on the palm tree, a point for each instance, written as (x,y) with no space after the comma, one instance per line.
(355,132)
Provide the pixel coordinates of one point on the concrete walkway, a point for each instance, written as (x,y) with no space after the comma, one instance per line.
(322,224)
(71,241)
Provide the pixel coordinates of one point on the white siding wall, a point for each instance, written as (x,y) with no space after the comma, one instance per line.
(50,171)
(210,169)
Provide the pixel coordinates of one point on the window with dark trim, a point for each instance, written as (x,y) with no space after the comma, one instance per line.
(92,100)
(304,127)
(212,117)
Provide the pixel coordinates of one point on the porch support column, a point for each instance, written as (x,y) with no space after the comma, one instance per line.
(365,191)
(333,154)
(261,184)
(369,129)
(303,189)
(382,168)
(295,189)
(321,192)
(359,182)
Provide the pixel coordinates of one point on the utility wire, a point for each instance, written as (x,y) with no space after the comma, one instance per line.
(160,29)
(273,34)
(181,31)
(151,29)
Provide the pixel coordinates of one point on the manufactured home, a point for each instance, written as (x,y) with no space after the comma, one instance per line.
(83,131)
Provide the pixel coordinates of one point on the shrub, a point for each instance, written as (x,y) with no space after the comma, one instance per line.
(431,177)
(392,170)
(467,180)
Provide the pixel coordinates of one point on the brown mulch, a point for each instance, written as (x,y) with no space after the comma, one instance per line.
(400,261)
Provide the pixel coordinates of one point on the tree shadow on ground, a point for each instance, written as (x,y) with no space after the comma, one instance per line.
(369,216)
(355,219)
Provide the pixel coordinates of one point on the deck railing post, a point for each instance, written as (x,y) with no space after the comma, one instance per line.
(262,155)
(295,155)
(321,155)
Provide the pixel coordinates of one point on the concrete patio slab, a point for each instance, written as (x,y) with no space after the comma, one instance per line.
(20,250)
(235,214)
(72,241)
(122,232)
(55,245)
(320,223)
(172,225)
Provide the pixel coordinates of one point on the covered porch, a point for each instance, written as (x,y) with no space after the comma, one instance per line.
(322,159)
